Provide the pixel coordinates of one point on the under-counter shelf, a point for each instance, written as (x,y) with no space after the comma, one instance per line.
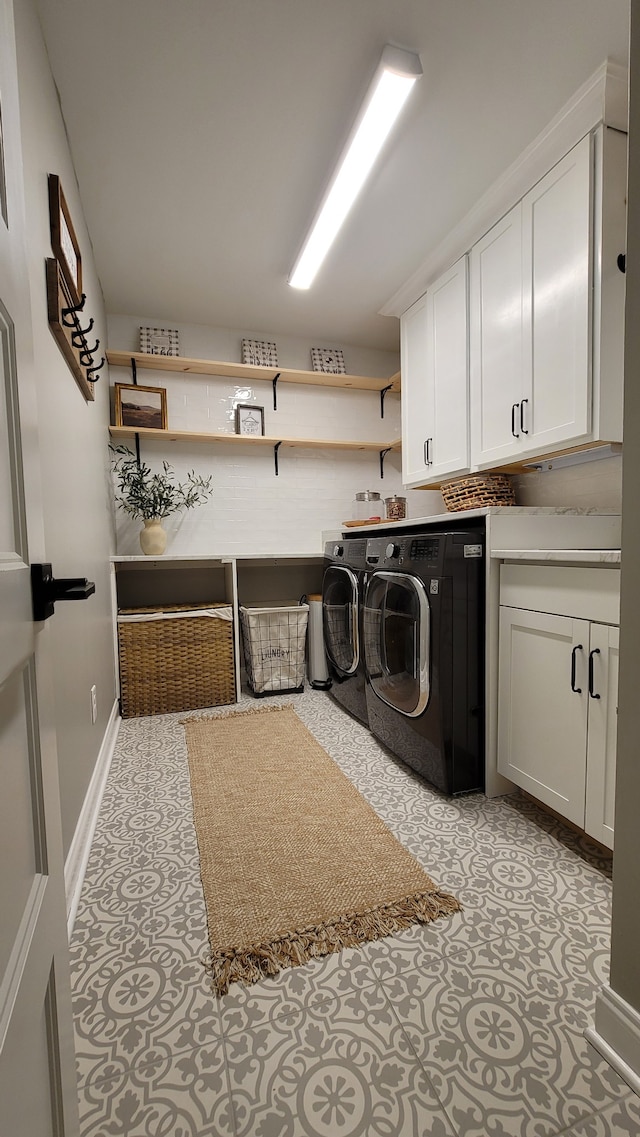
(251,372)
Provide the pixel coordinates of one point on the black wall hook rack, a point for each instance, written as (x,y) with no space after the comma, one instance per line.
(92,370)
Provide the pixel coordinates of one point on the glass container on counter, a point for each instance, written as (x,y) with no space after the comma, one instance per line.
(367,506)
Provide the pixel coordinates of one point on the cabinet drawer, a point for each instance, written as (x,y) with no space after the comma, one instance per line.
(583,593)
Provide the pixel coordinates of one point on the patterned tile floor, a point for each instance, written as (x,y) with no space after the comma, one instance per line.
(469,1027)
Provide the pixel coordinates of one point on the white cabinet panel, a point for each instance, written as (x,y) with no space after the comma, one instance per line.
(496,343)
(435,381)
(603,728)
(543,707)
(556,226)
(414,349)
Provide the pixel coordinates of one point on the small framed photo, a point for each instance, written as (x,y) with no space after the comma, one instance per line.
(259,353)
(142,407)
(328,359)
(63,238)
(159,341)
(249,419)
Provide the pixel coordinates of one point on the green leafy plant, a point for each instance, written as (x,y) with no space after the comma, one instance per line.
(141,493)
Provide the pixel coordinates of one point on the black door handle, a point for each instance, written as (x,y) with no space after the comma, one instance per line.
(522,416)
(596,651)
(578,690)
(46,589)
(513,420)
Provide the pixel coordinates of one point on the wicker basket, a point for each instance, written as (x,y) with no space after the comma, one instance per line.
(175,658)
(476,491)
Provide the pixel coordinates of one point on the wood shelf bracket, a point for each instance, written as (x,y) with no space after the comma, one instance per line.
(275,456)
(383,454)
(383,392)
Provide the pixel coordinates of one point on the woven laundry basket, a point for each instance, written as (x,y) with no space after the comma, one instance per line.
(175,658)
(476,491)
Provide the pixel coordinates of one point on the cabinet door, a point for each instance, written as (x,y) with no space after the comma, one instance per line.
(542,709)
(434,357)
(557,271)
(603,727)
(495,313)
(417,398)
(447,372)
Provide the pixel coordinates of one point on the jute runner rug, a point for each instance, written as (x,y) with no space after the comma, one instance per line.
(294,862)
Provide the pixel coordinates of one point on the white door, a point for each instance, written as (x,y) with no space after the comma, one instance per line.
(603,730)
(37,1078)
(542,707)
(496,342)
(447,373)
(416,399)
(557,273)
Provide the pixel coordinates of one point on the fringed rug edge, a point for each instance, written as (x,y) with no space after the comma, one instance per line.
(251,964)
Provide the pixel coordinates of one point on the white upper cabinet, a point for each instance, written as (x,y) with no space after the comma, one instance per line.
(531,319)
(556,304)
(434,352)
(496,341)
(545,328)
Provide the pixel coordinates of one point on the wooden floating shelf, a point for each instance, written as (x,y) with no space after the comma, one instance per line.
(247,371)
(250,439)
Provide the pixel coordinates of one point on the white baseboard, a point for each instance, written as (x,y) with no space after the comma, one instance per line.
(616,1035)
(76,863)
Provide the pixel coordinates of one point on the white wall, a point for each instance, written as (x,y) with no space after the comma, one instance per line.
(252,510)
(72,438)
(597,484)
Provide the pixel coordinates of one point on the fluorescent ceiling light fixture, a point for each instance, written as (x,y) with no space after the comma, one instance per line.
(395,75)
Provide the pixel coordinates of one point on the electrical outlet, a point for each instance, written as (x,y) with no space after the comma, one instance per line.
(94,704)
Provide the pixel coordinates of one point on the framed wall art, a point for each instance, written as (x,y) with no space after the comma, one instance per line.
(328,359)
(159,341)
(63,238)
(141,407)
(259,353)
(249,419)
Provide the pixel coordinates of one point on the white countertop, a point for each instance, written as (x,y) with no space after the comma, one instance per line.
(568,556)
(489,511)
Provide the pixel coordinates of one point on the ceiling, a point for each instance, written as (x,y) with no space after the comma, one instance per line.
(204,131)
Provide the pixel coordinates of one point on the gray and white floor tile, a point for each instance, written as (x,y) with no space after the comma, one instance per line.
(468,1027)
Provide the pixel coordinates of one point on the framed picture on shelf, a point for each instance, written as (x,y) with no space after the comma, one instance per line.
(159,341)
(328,359)
(63,238)
(259,353)
(249,419)
(141,407)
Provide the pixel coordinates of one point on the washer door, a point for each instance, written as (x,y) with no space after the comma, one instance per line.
(340,618)
(397,620)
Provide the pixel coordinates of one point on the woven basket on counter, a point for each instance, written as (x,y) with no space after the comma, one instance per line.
(476,491)
(175,658)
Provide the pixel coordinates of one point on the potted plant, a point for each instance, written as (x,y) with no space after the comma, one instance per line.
(152,497)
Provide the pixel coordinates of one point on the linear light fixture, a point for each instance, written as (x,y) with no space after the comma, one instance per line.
(395,75)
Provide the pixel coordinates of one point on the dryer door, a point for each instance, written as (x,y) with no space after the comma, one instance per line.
(397,622)
(340,618)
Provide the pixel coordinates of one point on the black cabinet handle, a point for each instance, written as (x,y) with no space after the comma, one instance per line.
(592,693)
(513,420)
(427,451)
(577,690)
(522,416)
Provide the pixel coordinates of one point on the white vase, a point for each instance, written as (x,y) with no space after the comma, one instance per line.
(153,539)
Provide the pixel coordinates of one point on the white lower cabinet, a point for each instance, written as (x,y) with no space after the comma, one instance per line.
(558,681)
